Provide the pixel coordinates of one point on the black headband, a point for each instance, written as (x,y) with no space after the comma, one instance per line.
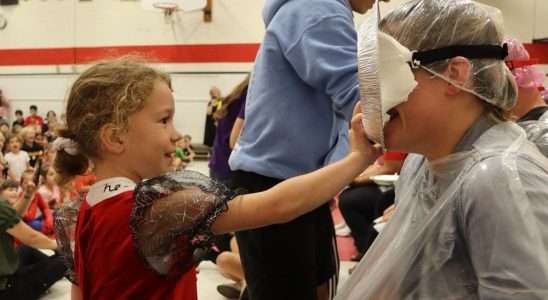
(468,51)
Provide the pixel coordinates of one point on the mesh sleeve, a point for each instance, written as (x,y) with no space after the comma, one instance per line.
(172,217)
(65,231)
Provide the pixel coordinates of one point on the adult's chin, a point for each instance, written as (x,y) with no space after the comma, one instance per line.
(390,136)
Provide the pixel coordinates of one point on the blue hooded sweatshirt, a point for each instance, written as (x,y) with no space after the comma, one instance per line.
(303,89)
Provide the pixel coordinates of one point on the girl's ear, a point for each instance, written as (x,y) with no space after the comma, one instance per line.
(458,71)
(110,138)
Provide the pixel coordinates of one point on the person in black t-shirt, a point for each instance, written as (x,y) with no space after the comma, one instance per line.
(35,150)
(19,120)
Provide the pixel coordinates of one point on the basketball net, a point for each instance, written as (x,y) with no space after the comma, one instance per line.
(168,8)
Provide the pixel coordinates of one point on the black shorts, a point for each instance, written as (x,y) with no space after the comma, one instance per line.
(287,261)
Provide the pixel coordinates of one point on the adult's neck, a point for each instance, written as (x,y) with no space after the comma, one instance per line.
(528,99)
(463,112)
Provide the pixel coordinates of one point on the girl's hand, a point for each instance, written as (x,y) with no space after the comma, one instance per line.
(359,142)
(30,189)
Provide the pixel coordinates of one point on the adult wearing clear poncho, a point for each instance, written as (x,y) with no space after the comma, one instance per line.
(530,109)
(471,217)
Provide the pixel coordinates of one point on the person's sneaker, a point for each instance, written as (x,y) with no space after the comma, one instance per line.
(230,290)
(340,225)
(344,231)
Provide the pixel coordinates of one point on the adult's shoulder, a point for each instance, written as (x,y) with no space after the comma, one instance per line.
(8,215)
(314,7)
(504,179)
(309,12)
(5,207)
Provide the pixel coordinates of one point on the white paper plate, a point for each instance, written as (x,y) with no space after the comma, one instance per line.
(384,179)
(379,227)
(369,76)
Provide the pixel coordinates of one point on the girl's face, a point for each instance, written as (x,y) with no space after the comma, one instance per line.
(50,176)
(14,145)
(152,126)
(52,123)
(410,128)
(25,179)
(16,130)
(10,194)
(40,139)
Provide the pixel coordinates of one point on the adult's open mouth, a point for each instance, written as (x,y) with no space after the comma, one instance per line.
(393,113)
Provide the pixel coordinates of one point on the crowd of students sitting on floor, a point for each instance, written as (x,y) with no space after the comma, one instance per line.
(28,201)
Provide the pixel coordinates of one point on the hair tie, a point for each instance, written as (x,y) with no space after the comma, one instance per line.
(70,146)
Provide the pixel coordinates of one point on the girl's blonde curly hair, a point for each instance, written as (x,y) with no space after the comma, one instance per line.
(109,91)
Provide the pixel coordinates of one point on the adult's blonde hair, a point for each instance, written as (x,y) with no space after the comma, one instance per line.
(25,131)
(109,91)
(426,24)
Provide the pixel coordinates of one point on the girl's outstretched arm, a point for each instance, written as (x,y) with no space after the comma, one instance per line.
(192,206)
(299,195)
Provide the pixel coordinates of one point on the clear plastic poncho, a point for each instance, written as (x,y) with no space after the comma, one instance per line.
(473,225)
(537,132)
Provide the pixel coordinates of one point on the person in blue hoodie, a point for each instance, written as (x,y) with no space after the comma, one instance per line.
(303,89)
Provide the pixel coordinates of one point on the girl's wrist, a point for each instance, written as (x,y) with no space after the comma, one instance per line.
(364,159)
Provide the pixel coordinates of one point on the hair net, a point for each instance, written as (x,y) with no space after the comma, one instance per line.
(522,66)
(426,34)
(422,25)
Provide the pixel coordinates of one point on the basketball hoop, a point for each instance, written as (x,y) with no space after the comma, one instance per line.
(167,7)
